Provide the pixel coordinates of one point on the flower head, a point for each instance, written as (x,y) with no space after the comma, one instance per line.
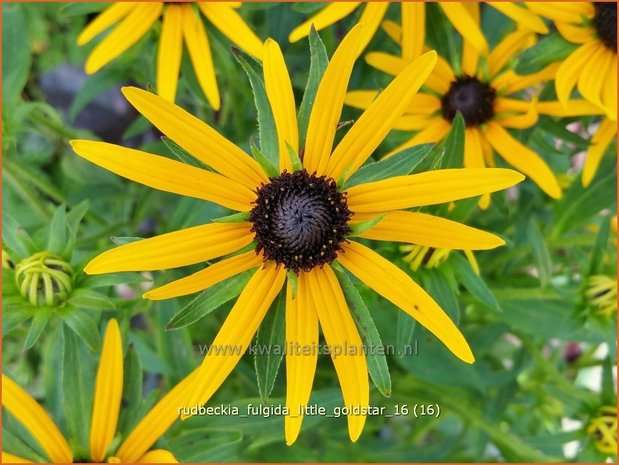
(44,279)
(302,222)
(602,294)
(603,430)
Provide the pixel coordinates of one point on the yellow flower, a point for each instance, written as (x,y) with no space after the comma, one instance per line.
(592,67)
(106,409)
(431,257)
(482,93)
(300,223)
(602,294)
(603,430)
(180,22)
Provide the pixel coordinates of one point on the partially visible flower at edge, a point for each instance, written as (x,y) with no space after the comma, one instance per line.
(603,430)
(601,293)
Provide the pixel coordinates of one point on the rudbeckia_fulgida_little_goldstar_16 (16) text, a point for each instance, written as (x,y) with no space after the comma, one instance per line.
(299,222)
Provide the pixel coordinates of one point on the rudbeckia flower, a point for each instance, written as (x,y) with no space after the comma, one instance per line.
(592,67)
(105,412)
(300,222)
(181,22)
(483,94)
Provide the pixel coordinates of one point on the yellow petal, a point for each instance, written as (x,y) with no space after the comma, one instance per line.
(170,52)
(330,14)
(609,91)
(203,279)
(575,107)
(435,130)
(372,15)
(393,30)
(413,29)
(474,156)
(592,78)
(197,137)
(236,332)
(431,231)
(518,121)
(301,354)
(505,50)
(522,16)
(158,456)
(175,249)
(200,54)
(345,345)
(165,174)
(110,16)
(127,33)
(327,107)
(523,159)
(30,414)
(156,422)
(570,70)
(470,54)
(10,458)
(397,287)
(386,62)
(108,393)
(577,34)
(360,98)
(509,82)
(233,26)
(599,143)
(465,24)
(279,91)
(569,12)
(412,122)
(471,258)
(376,122)
(442,77)
(429,188)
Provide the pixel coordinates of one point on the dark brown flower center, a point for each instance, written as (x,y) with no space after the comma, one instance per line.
(300,220)
(472,98)
(605,22)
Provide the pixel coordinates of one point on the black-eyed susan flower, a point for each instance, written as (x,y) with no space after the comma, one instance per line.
(601,293)
(181,22)
(300,222)
(603,430)
(136,447)
(484,93)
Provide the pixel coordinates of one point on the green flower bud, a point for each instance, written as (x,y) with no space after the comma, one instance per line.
(44,279)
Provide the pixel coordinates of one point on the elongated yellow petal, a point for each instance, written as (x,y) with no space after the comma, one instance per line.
(373,14)
(574,107)
(518,121)
(170,52)
(436,129)
(345,345)
(569,12)
(470,54)
(108,393)
(397,287)
(10,458)
(577,34)
(599,143)
(609,91)
(509,82)
(171,250)
(281,97)
(376,122)
(442,77)
(156,422)
(236,333)
(413,29)
(203,279)
(522,16)
(329,101)
(30,414)
(474,156)
(592,78)
(105,19)
(200,53)
(301,354)
(570,70)
(230,23)
(505,50)
(412,122)
(431,231)
(523,159)
(420,103)
(127,33)
(330,14)
(165,174)
(197,137)
(465,24)
(429,188)
(158,456)
(393,30)
(386,62)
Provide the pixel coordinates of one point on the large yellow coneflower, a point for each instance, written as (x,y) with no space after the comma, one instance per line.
(482,92)
(105,412)
(181,21)
(300,222)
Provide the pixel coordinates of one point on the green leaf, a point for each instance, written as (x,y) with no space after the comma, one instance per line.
(438,285)
(441,36)
(209,300)
(472,282)
(58,231)
(132,391)
(84,326)
(198,446)
(401,164)
(269,168)
(74,218)
(359,228)
(12,317)
(600,246)
(16,240)
(234,218)
(270,346)
(139,126)
(377,362)
(96,84)
(267,132)
(181,153)
(540,253)
(39,323)
(607,395)
(113,279)
(549,49)
(297,164)
(81,9)
(122,240)
(87,298)
(454,145)
(405,330)
(13,443)
(318,64)
(16,59)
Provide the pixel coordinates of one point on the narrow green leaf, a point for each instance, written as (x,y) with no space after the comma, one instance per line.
(600,246)
(377,362)
(13,443)
(39,323)
(112,279)
(87,298)
(15,239)
(139,126)
(405,330)
(297,164)
(359,228)
(318,64)
(13,316)
(549,49)
(608,396)
(122,240)
(270,345)
(16,59)
(95,85)
(454,145)
(439,286)
(74,218)
(132,391)
(540,253)
(181,153)
(472,282)
(209,300)
(80,9)
(198,446)
(84,326)
(269,168)
(234,218)
(58,231)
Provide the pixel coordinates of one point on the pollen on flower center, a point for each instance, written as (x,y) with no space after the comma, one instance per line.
(300,220)
(472,98)
(605,22)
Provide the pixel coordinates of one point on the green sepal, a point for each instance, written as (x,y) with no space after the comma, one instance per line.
(234,218)
(297,165)
(293,280)
(359,228)
(268,167)
(39,323)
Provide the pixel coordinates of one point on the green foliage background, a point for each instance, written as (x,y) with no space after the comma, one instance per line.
(521,318)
